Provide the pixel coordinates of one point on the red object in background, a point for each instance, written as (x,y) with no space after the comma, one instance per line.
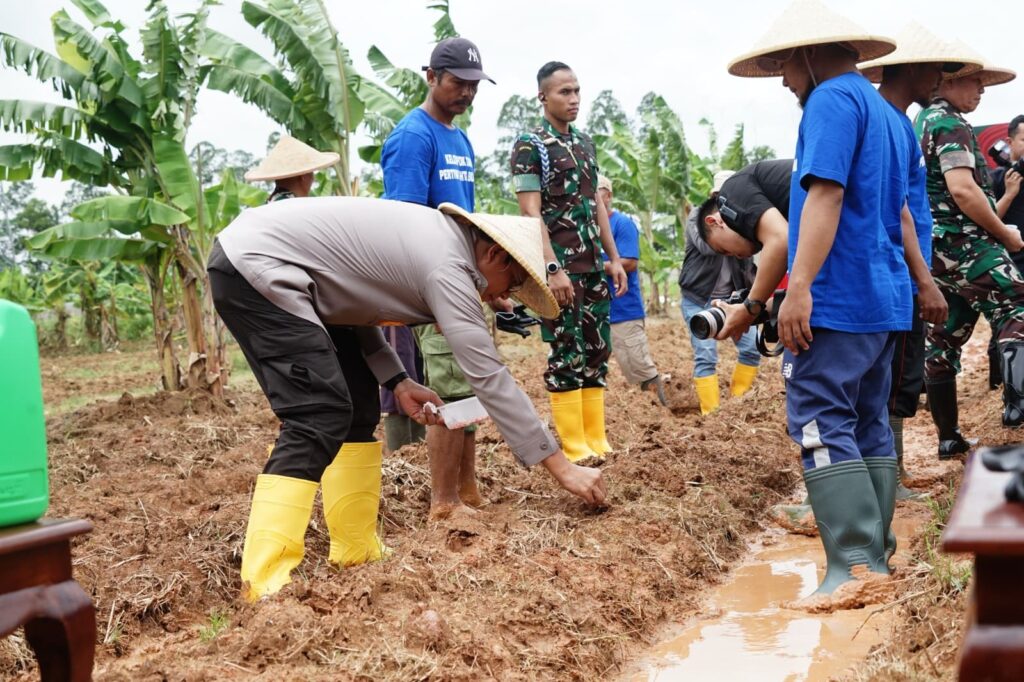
(987,136)
(784,282)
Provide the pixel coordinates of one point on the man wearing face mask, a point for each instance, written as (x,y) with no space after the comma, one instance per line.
(849,288)
(971,255)
(555,172)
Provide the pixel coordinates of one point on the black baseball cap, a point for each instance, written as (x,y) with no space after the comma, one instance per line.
(459,57)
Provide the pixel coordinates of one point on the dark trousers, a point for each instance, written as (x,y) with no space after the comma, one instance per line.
(908,369)
(317,383)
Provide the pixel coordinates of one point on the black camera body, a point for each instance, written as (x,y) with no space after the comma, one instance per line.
(708,323)
(1000,153)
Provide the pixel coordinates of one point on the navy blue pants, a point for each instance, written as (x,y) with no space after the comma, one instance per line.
(836,395)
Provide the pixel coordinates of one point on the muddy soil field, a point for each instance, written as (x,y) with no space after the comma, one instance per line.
(537,586)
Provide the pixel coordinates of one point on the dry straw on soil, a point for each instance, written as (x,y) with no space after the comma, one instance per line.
(535,587)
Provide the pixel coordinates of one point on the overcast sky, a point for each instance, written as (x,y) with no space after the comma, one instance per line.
(677,48)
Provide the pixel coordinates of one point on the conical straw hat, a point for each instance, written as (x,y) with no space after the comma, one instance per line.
(521,237)
(289,158)
(806,23)
(918,45)
(995,75)
(989,75)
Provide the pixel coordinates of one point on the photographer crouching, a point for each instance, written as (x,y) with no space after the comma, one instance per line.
(707,275)
(750,214)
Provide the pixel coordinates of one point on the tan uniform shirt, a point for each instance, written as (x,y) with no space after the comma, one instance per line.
(366,262)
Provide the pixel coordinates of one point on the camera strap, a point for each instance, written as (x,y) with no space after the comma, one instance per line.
(769,330)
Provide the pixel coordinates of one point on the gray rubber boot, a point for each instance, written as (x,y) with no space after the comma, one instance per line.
(849,521)
(884,472)
(902,491)
(400,430)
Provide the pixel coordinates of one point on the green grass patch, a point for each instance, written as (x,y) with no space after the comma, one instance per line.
(218,622)
(952,572)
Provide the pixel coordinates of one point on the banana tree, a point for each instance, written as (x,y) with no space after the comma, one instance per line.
(651,172)
(123,126)
(313,94)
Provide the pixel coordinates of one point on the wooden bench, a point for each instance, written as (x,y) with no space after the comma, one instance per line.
(38,592)
(984,524)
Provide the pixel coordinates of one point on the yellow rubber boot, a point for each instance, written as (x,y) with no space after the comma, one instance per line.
(593,420)
(351,493)
(275,537)
(567,413)
(707,393)
(742,379)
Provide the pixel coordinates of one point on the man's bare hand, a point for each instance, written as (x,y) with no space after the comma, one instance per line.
(583,482)
(618,274)
(561,287)
(737,320)
(1011,182)
(932,303)
(795,320)
(1012,240)
(502,305)
(412,397)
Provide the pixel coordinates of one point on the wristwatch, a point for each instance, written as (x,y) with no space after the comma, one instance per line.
(552,266)
(753,306)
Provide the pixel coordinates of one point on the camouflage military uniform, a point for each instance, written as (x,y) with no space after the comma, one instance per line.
(566,177)
(972,269)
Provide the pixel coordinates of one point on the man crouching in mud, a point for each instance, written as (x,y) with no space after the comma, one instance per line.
(302,286)
(849,287)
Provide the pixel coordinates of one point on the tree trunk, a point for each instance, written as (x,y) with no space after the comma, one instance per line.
(218,333)
(91,322)
(203,369)
(60,328)
(163,330)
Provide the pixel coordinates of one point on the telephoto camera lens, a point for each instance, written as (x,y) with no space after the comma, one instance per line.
(706,324)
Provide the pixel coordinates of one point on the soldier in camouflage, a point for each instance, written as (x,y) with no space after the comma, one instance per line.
(970,262)
(554,170)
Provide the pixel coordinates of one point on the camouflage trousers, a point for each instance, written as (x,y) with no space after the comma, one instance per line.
(580,337)
(977,277)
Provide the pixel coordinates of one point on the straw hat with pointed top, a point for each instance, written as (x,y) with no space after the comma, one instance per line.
(918,45)
(521,237)
(803,24)
(989,75)
(289,158)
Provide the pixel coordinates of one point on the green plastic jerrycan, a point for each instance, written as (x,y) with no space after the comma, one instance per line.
(24,489)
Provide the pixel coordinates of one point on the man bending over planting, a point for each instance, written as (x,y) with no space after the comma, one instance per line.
(302,286)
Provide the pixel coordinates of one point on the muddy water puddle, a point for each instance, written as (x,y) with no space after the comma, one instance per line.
(750,636)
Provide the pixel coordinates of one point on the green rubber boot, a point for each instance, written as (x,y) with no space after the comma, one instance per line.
(849,521)
(884,472)
(902,491)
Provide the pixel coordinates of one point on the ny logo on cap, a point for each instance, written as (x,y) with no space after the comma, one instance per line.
(473,56)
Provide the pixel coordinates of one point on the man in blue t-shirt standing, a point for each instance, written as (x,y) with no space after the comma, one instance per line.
(428,160)
(627,317)
(849,287)
(912,74)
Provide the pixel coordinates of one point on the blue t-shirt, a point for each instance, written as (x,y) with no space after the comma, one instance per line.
(629,306)
(917,194)
(848,136)
(426,162)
